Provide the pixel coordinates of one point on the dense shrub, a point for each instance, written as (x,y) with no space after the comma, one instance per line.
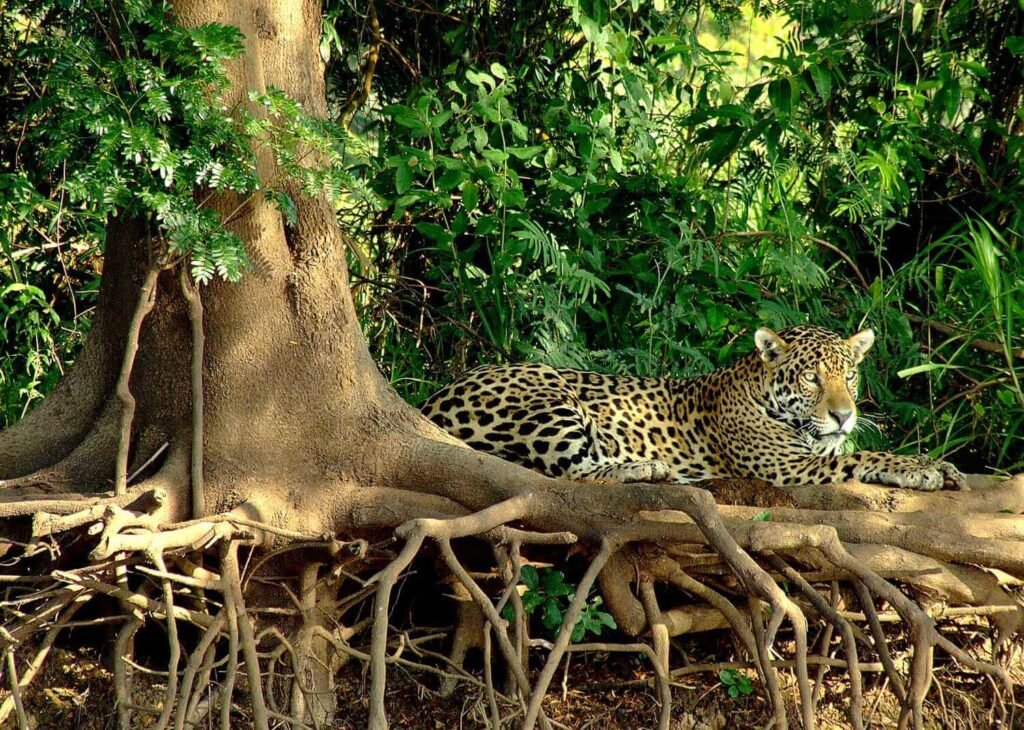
(631,188)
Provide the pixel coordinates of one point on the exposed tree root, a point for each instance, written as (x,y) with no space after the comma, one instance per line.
(194,300)
(752,558)
(147,299)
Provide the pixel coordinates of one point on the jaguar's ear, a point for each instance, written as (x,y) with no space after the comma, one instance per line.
(771,347)
(860,343)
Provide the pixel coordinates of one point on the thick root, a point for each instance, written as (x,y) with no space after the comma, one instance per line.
(654,540)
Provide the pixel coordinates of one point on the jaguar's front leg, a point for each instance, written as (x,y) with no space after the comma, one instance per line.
(907,472)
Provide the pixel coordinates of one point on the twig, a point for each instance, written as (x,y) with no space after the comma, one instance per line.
(145,465)
(844,256)
(922,628)
(667,569)
(361,94)
(379,633)
(825,609)
(881,645)
(195,662)
(459,673)
(509,652)
(171,691)
(135,600)
(769,674)
(492,701)
(950,330)
(820,241)
(659,632)
(572,614)
(235,517)
(12,680)
(67,505)
(235,602)
(60,623)
(937,612)
(711,667)
(147,298)
(511,566)
(199,706)
(122,678)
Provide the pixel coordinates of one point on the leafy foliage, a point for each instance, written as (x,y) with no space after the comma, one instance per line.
(736,683)
(32,357)
(606,188)
(135,127)
(114,111)
(548,593)
(630,187)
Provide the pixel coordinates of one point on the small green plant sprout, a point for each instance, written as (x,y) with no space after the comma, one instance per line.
(547,591)
(765,516)
(736,683)
(592,620)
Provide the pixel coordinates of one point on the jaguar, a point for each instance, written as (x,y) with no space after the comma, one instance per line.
(782,413)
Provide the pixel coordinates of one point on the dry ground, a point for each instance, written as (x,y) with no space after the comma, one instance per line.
(597,692)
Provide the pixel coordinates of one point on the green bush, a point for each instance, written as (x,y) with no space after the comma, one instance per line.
(602,189)
(630,187)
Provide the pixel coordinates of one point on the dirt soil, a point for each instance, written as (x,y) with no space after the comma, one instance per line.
(598,692)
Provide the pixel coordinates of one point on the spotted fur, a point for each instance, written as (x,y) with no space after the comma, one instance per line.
(782,414)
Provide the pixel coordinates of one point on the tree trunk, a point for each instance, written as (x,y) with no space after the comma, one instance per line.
(291,394)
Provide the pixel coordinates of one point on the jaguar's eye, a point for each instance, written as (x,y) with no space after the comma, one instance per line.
(810,377)
(851,376)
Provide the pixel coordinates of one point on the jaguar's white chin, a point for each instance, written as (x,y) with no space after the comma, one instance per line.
(828,443)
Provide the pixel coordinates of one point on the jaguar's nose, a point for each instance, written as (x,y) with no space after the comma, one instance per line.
(843,417)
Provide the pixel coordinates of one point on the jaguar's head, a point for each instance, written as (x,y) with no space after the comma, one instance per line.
(813,379)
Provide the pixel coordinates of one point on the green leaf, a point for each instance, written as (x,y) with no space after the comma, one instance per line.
(470,195)
(553,583)
(529,577)
(403,178)
(723,144)
(508,611)
(286,205)
(926,368)
(526,153)
(551,615)
(434,232)
(481,79)
(765,516)
(450,179)
(614,157)
(744,685)
(531,601)
(822,79)
(783,94)
(498,157)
